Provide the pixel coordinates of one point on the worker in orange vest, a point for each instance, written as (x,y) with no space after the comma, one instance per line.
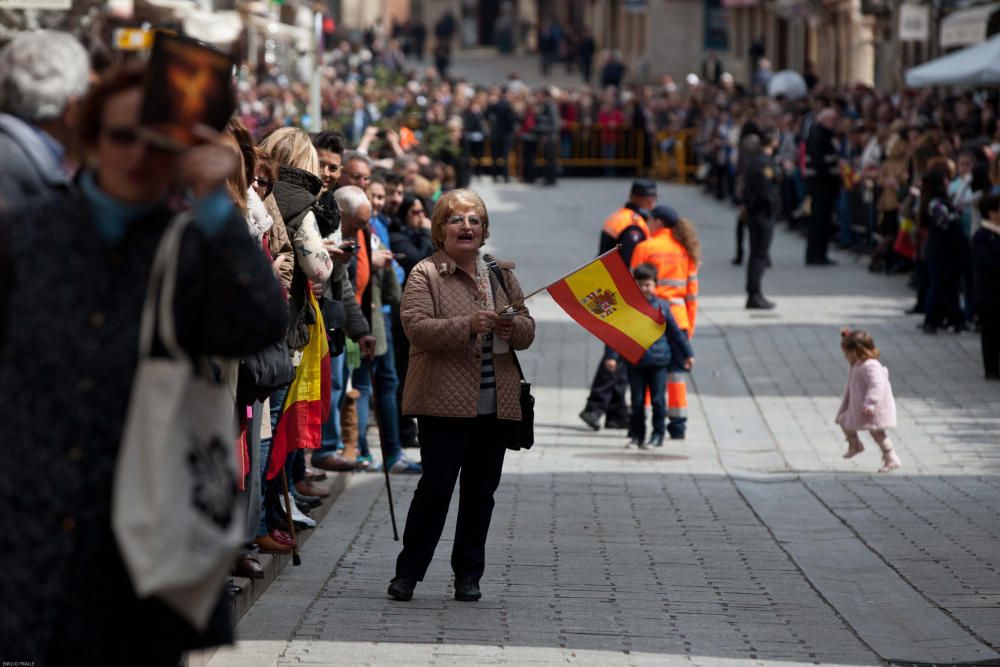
(674,250)
(625,227)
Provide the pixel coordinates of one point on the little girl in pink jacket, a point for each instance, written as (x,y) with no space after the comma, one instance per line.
(868,403)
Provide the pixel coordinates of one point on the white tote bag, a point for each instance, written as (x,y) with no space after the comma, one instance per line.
(174,510)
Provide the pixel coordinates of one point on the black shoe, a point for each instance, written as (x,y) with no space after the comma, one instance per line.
(633,442)
(916,310)
(736,261)
(825,261)
(401,588)
(615,423)
(412,443)
(677,436)
(305,503)
(758,302)
(467,589)
(656,440)
(993,376)
(591,419)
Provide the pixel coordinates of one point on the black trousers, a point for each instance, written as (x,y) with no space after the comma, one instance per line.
(824,199)
(761,234)
(741,226)
(990,336)
(529,149)
(501,146)
(549,152)
(453,449)
(607,393)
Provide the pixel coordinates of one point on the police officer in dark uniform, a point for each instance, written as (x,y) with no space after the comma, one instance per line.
(749,146)
(627,228)
(823,182)
(762,200)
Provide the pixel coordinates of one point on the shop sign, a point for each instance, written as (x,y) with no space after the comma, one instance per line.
(914,22)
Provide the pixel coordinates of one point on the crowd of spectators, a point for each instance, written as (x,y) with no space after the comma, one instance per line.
(906,178)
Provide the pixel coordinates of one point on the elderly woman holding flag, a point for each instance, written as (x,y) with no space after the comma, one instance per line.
(463,385)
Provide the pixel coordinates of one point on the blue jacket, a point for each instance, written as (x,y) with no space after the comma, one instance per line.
(673,342)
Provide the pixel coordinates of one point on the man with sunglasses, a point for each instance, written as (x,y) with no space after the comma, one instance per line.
(43,78)
(357,170)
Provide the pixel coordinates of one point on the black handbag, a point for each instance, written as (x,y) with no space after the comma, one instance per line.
(522,434)
(263,373)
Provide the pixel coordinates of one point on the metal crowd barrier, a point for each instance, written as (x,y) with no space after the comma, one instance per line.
(581,147)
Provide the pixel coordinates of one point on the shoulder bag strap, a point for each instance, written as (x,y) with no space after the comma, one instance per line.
(162,284)
(496,278)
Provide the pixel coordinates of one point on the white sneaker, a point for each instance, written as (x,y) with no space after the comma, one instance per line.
(299,517)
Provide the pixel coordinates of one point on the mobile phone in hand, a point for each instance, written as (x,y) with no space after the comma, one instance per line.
(508,314)
(350,247)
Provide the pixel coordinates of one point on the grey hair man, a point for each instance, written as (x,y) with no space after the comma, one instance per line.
(43,77)
(355,210)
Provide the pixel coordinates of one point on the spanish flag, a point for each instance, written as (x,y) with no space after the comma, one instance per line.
(604,299)
(307,404)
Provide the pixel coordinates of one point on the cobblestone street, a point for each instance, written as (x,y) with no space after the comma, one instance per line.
(751,542)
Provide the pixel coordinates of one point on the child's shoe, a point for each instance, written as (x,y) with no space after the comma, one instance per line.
(889,461)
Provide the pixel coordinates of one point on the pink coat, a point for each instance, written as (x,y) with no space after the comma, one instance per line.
(868,386)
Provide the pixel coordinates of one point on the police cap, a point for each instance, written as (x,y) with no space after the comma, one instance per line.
(643,187)
(665,214)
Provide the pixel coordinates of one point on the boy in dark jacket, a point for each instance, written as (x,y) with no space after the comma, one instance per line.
(651,371)
(986,265)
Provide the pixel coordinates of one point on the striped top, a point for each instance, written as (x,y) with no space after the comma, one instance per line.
(487,404)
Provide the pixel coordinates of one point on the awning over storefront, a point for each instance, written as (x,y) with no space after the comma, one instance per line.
(977,65)
(966,26)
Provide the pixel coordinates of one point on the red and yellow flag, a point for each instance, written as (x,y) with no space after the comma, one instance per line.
(307,404)
(604,299)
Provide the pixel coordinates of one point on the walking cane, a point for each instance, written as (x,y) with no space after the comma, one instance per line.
(296,560)
(381,441)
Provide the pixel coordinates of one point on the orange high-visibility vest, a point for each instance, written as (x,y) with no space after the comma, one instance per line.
(618,222)
(676,275)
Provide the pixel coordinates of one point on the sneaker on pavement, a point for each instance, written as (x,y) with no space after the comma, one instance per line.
(656,440)
(404,466)
(633,442)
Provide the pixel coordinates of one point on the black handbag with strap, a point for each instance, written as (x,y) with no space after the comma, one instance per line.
(523,432)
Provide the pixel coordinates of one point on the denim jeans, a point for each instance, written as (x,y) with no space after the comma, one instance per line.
(386,383)
(330,441)
(653,378)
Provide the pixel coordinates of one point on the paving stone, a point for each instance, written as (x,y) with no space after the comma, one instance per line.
(595,551)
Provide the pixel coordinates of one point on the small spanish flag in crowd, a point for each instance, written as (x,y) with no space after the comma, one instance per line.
(604,299)
(849,175)
(307,404)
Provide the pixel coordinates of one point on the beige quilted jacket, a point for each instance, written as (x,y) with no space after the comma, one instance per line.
(443,377)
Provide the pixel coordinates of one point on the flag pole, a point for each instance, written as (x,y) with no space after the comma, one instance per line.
(541,289)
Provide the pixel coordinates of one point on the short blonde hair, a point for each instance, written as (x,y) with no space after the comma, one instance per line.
(291,147)
(451,202)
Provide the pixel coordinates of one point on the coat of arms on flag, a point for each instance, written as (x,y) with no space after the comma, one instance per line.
(601,302)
